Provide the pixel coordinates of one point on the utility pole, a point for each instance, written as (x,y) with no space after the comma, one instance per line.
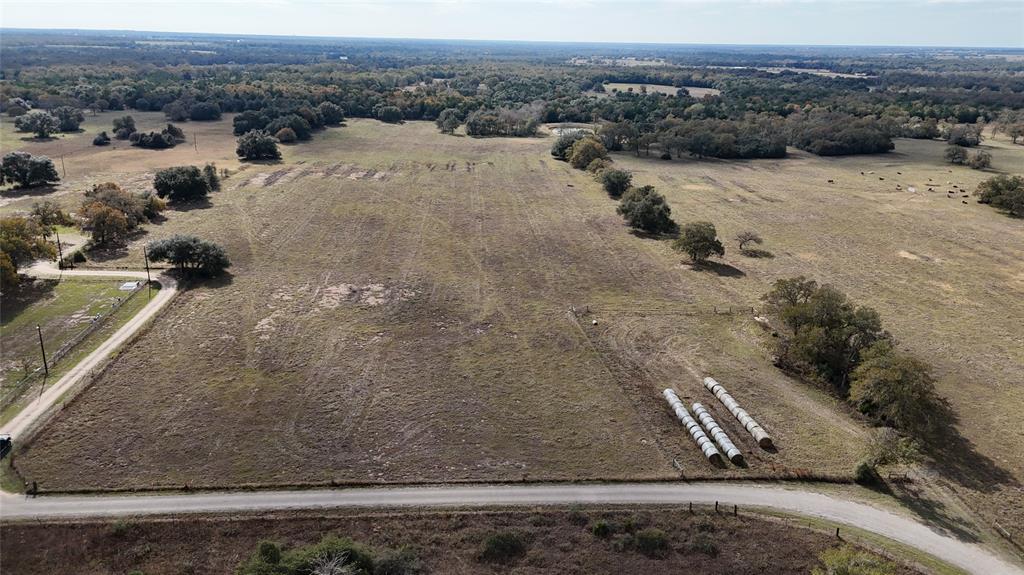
(60,251)
(62,168)
(46,366)
(195,141)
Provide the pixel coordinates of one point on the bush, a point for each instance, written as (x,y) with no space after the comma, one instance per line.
(258,145)
(331,555)
(601,529)
(616,182)
(448,120)
(402,561)
(585,151)
(181,184)
(956,154)
(652,542)
(101,139)
(503,547)
(123,127)
(645,209)
(865,474)
(967,135)
(296,123)
(699,240)
(1004,193)
(26,170)
(598,165)
(211,177)
(285,135)
(848,560)
(703,543)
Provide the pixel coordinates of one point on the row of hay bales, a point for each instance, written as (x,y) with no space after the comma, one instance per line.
(700,432)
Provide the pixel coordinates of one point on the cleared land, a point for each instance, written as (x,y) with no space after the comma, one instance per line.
(398,312)
(695,91)
(559,541)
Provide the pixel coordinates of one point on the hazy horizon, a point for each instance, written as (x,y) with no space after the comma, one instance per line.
(906,23)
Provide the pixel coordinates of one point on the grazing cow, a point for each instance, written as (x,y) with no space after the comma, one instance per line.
(831,181)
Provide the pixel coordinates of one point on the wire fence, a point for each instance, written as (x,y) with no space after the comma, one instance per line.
(12,392)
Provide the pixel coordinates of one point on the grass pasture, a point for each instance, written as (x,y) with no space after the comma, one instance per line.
(695,91)
(63,309)
(399,311)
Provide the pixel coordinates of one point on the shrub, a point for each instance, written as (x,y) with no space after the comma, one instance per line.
(258,145)
(101,139)
(645,209)
(598,165)
(402,561)
(503,547)
(49,213)
(955,154)
(585,151)
(296,123)
(26,170)
(865,474)
(699,240)
(703,543)
(616,182)
(601,529)
(176,111)
(967,135)
(652,542)
(848,560)
(181,183)
(285,135)
(333,555)
(123,127)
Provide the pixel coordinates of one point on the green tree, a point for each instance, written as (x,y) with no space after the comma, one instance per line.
(124,127)
(616,182)
(389,114)
(448,120)
(1003,192)
(979,160)
(257,145)
(191,255)
(107,224)
(204,111)
(181,184)
(645,209)
(286,135)
(48,213)
(956,154)
(331,113)
(26,170)
(211,177)
(22,240)
(898,390)
(68,118)
(699,240)
(41,123)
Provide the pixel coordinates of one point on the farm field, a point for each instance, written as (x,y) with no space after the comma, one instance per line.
(695,91)
(558,541)
(398,311)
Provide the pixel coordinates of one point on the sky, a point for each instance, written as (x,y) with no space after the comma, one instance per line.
(967,23)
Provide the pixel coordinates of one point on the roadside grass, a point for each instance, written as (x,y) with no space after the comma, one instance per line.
(62,308)
(561,540)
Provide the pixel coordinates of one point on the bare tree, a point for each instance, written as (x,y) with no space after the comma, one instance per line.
(745,238)
(333,564)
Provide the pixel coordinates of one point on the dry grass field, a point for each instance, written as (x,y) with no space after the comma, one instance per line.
(695,91)
(398,311)
(559,541)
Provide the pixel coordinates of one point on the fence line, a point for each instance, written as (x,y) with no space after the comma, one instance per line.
(15,390)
